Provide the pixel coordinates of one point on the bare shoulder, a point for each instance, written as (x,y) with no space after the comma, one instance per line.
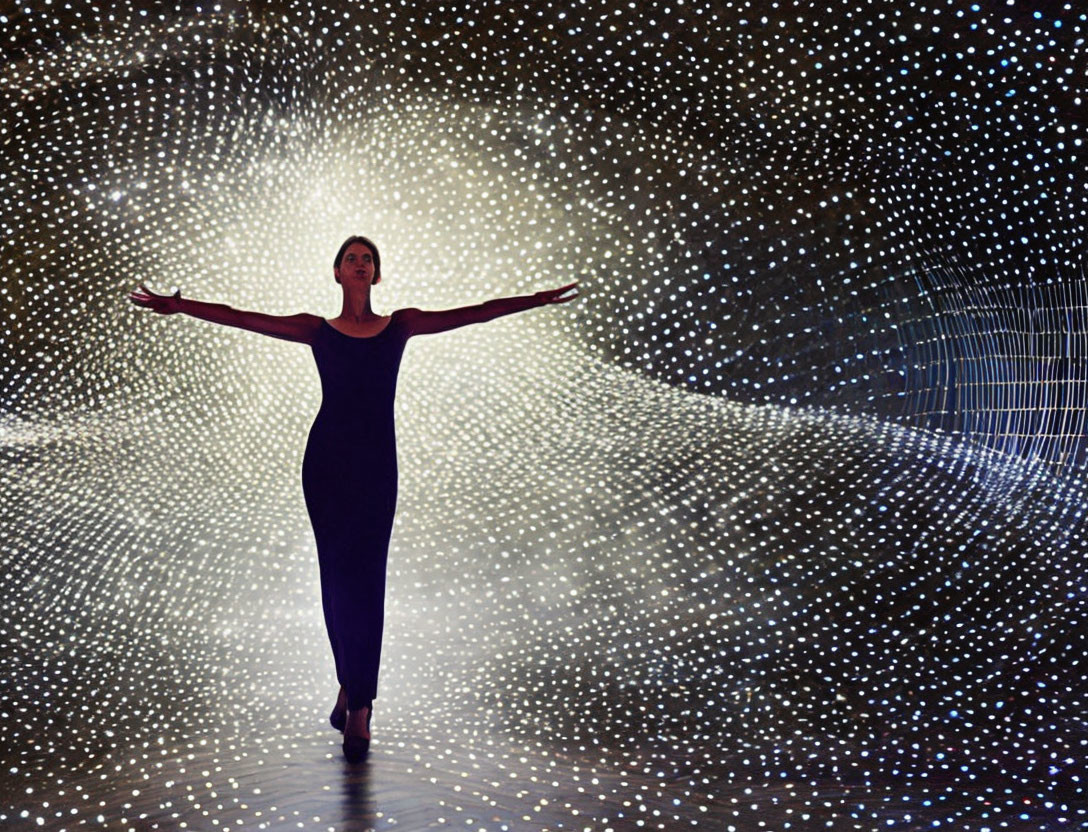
(302,327)
(305,324)
(307,319)
(407,316)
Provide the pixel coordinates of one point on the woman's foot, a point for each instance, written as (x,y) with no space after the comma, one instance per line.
(339,715)
(357,734)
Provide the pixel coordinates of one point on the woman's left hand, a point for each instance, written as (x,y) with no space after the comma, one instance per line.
(556,295)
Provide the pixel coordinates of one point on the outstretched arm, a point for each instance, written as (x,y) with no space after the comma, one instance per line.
(421,322)
(301,327)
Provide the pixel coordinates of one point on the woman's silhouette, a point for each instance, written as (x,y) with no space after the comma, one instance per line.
(349,470)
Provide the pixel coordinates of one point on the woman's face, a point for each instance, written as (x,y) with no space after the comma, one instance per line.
(357,266)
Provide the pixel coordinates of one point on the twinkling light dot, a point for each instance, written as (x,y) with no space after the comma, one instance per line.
(782,523)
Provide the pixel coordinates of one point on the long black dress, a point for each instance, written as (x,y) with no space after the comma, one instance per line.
(349,479)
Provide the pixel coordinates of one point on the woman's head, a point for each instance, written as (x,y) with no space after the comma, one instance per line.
(356,251)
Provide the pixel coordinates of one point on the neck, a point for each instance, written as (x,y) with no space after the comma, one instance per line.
(356,305)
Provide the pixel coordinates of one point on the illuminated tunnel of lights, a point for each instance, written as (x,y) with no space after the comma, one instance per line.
(781,522)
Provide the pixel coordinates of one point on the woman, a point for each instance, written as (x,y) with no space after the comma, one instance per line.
(349,470)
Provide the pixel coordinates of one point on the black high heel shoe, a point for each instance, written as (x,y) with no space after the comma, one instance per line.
(338,720)
(356,748)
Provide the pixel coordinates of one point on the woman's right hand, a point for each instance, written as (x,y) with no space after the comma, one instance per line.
(163,304)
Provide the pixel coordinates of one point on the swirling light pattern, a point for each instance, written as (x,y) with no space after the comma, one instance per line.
(781,525)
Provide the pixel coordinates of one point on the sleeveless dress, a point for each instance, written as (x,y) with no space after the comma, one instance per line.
(349,479)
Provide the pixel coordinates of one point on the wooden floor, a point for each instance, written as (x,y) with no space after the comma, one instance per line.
(305,784)
(452,775)
(224,726)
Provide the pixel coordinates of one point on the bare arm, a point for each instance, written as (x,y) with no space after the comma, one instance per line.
(421,322)
(301,327)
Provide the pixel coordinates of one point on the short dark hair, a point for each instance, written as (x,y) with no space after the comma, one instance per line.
(373,250)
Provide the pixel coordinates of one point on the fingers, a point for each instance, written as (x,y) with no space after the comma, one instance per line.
(551,298)
(147,299)
(557,295)
(562,290)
